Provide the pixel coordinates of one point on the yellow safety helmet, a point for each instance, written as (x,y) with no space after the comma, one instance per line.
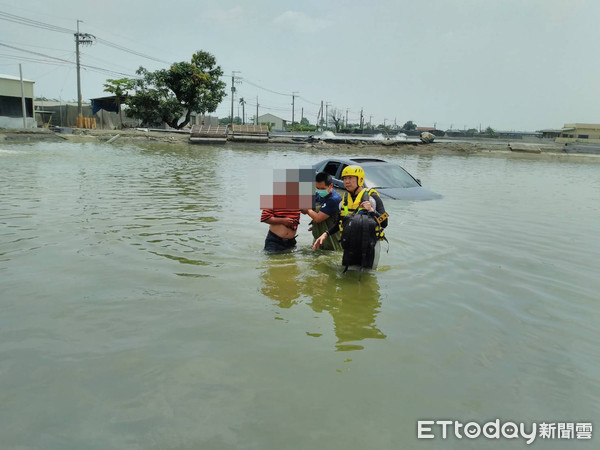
(354,171)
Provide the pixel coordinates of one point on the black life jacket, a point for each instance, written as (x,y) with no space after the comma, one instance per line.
(359,237)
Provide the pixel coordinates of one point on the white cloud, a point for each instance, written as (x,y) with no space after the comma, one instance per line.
(300,22)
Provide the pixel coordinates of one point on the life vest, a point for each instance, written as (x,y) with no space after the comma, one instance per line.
(359,241)
(350,206)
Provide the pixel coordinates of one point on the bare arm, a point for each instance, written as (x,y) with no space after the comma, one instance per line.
(287,221)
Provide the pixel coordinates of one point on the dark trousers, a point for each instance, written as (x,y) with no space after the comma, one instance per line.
(275,244)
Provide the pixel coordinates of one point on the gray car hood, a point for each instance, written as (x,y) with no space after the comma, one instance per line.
(412,193)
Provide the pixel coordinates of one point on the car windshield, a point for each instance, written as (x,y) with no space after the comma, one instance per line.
(388,176)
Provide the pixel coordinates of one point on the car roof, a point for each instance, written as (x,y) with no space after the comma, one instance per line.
(358,160)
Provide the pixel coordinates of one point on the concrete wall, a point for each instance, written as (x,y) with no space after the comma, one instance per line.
(16,122)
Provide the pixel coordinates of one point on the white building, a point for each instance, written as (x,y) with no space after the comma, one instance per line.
(276,123)
(11,110)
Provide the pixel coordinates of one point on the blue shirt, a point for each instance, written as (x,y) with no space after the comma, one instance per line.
(330,204)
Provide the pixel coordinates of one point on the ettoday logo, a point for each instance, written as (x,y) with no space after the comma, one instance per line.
(431,429)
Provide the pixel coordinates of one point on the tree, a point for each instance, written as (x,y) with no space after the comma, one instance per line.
(119,89)
(243,103)
(490,132)
(167,95)
(409,126)
(337,118)
(304,122)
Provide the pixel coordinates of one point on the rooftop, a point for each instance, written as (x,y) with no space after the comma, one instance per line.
(10,77)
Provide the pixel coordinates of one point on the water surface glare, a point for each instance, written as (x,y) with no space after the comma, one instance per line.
(139,312)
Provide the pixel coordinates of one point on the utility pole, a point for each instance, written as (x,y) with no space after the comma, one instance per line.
(327,115)
(83,39)
(320,115)
(23,98)
(361,121)
(346,117)
(293,107)
(233,72)
(370,117)
(256,110)
(302,115)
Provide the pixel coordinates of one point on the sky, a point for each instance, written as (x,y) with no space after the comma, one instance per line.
(510,64)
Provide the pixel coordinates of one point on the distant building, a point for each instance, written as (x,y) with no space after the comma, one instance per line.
(579,132)
(201,119)
(276,123)
(11,109)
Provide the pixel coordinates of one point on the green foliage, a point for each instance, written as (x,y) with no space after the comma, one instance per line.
(120,87)
(237,120)
(409,126)
(304,122)
(166,95)
(490,132)
(300,127)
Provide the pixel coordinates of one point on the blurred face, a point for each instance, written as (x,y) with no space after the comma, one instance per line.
(350,183)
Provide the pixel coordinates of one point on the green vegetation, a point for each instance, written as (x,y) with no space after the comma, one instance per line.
(237,120)
(409,126)
(490,132)
(168,95)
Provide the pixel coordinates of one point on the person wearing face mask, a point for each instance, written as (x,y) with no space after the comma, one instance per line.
(362,220)
(326,211)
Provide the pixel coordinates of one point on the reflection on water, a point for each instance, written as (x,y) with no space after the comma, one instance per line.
(281,279)
(352,303)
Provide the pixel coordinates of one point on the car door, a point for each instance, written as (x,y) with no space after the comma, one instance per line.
(332,168)
(338,179)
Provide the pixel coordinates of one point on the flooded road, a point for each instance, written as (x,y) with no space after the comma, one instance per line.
(139,311)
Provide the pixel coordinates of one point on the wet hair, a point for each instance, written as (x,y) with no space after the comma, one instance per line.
(323,177)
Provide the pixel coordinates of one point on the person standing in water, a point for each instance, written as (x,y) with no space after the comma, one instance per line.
(283,224)
(361,236)
(327,207)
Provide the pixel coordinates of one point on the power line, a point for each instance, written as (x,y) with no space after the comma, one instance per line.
(46,26)
(127,50)
(53,58)
(33,23)
(264,88)
(308,101)
(30,59)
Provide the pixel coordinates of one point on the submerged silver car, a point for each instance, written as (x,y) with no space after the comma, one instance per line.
(390,180)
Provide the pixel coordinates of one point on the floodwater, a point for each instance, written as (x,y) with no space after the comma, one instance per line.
(138,310)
